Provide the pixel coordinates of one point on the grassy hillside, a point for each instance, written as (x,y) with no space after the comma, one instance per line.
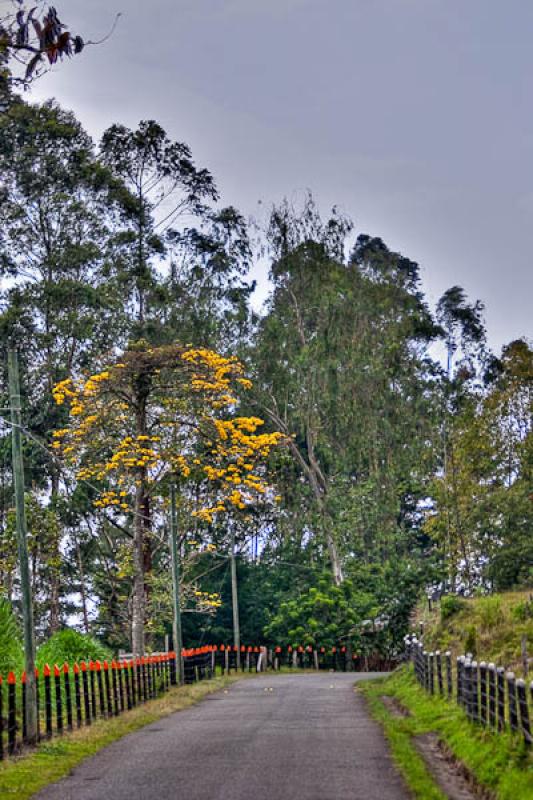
(491,627)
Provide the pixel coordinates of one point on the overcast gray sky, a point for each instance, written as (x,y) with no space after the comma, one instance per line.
(415,116)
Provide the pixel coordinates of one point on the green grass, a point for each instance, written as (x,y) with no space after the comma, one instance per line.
(491,627)
(22,777)
(500,763)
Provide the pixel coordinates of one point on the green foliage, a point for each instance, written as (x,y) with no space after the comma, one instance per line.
(523,611)
(450,605)
(470,642)
(490,611)
(325,615)
(100,246)
(500,762)
(11,651)
(70,646)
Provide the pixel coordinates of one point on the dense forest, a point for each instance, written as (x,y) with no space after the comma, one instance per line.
(341,451)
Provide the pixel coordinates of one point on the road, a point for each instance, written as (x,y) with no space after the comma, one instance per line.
(273,737)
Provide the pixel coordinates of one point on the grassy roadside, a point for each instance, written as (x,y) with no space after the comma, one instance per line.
(500,763)
(22,777)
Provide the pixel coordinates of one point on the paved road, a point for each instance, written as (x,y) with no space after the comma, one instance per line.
(309,738)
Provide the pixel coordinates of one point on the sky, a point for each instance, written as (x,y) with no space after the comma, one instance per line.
(415,117)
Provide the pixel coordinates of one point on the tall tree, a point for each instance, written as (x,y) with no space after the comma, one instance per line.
(342,367)
(165,184)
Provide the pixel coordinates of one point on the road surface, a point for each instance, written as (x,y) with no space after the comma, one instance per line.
(310,737)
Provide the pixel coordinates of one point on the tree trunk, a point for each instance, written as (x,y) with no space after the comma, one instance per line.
(139,600)
(235,602)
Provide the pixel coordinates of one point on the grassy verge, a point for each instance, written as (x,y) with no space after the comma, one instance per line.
(491,628)
(22,777)
(500,763)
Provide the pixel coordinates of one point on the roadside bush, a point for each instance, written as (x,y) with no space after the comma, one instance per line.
(11,650)
(71,647)
(471,640)
(450,605)
(490,612)
(522,611)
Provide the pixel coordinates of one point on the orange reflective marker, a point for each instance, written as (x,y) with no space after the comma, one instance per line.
(76,669)
(98,666)
(11,678)
(23,677)
(66,668)
(46,671)
(57,671)
(83,666)
(106,665)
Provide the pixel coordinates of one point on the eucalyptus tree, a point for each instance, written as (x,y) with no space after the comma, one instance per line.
(165,186)
(342,367)
(60,247)
(465,340)
(60,253)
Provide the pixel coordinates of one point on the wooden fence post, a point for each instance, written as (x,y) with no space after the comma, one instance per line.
(77,695)
(474,690)
(467,679)
(513,705)
(492,695)
(129,702)
(459,662)
(92,683)
(500,675)
(484,709)
(59,699)
(521,690)
(11,713)
(449,680)
(68,695)
(440,681)
(432,673)
(85,685)
(109,707)
(100,684)
(47,701)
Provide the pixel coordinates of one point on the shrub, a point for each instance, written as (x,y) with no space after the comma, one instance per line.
(450,605)
(522,611)
(71,647)
(11,650)
(471,640)
(490,612)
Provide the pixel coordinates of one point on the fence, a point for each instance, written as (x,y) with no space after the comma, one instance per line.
(73,697)
(489,695)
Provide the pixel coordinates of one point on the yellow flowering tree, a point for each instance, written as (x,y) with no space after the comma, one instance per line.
(160,414)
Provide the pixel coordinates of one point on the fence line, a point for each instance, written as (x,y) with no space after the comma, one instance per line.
(489,695)
(74,697)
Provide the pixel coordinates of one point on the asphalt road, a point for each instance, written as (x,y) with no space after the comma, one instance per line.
(310,738)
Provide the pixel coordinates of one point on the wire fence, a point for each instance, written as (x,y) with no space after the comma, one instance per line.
(489,695)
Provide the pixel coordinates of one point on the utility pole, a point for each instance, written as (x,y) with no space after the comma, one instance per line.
(176,626)
(22,537)
(235,600)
